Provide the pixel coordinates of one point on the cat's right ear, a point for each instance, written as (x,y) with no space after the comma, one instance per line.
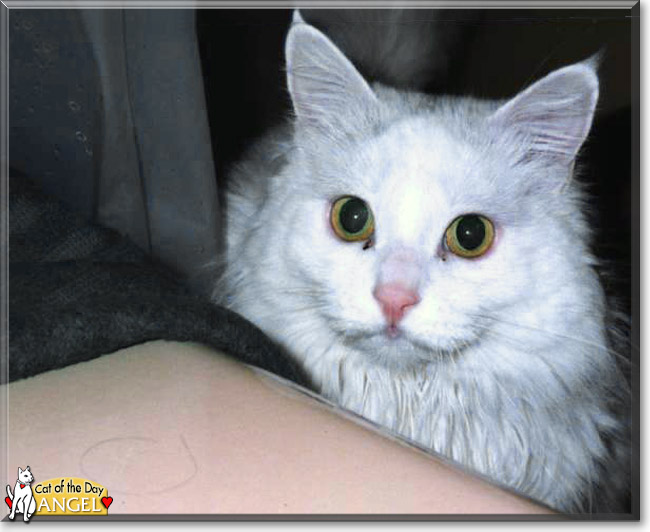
(324,85)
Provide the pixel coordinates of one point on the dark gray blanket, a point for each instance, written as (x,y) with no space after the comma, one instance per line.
(78,291)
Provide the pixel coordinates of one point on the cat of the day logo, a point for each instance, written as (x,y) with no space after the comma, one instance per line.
(57,496)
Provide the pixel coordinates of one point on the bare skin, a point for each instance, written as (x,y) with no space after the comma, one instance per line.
(174,428)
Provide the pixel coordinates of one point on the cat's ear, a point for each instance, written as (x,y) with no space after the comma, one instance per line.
(297,17)
(553,116)
(20,471)
(323,83)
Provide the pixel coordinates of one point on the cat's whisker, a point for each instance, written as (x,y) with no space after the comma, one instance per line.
(311,290)
(621,390)
(463,404)
(621,358)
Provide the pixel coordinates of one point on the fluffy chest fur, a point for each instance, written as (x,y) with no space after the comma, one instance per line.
(497,359)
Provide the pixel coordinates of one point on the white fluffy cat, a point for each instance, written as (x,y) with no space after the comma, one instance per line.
(427,262)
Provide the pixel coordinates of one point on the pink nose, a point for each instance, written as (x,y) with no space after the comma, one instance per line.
(395,300)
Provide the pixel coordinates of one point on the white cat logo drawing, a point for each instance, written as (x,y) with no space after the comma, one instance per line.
(22,499)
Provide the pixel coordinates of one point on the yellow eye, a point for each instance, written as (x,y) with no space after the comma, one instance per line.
(352,219)
(470,236)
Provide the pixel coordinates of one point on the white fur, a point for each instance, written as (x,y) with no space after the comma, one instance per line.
(22,499)
(503,366)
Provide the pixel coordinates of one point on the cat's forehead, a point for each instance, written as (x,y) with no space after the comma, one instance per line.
(419,146)
(421,157)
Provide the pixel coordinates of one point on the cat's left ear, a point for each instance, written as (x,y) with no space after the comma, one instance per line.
(553,116)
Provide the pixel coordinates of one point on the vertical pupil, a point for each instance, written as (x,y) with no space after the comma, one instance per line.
(470,232)
(353,215)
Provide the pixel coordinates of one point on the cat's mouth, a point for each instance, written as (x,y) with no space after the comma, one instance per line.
(396,344)
(392,332)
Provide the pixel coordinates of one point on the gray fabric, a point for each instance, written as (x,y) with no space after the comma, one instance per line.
(79,291)
(108,114)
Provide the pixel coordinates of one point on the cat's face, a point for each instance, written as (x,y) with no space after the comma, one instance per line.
(25,476)
(417,234)
(416,180)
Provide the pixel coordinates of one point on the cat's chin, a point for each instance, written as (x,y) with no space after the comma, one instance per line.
(396,348)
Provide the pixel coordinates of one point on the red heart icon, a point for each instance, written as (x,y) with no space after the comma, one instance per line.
(8,501)
(107,501)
